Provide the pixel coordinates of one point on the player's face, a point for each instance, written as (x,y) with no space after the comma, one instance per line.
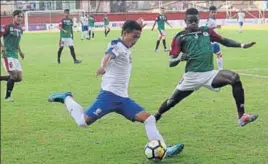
(162,11)
(192,22)
(66,14)
(131,38)
(18,19)
(213,13)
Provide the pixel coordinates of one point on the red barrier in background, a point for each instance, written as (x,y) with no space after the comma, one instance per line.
(125,16)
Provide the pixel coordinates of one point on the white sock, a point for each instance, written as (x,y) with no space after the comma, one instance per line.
(75,110)
(151,130)
(220,63)
(82,34)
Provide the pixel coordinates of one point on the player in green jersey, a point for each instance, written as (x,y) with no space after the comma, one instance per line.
(91,26)
(161,19)
(11,34)
(106,23)
(66,36)
(195,43)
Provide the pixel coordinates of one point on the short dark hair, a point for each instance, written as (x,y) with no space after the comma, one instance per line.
(67,10)
(17,12)
(131,25)
(212,8)
(191,11)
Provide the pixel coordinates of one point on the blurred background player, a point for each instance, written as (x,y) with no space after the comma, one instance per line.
(91,26)
(11,34)
(75,24)
(113,97)
(106,23)
(211,23)
(66,36)
(84,26)
(241,19)
(161,19)
(141,22)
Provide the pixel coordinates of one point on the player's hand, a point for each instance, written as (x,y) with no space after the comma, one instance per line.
(100,71)
(3,50)
(21,55)
(249,45)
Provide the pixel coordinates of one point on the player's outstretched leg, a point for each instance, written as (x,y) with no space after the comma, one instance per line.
(4,78)
(174,99)
(72,106)
(153,133)
(226,77)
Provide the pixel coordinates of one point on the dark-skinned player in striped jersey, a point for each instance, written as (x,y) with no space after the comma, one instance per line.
(194,43)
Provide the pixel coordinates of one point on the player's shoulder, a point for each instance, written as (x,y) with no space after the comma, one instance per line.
(180,34)
(204,28)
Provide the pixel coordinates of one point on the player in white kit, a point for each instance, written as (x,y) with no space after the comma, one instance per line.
(113,97)
(241,19)
(211,23)
(84,26)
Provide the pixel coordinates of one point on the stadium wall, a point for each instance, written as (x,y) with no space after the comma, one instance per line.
(45,22)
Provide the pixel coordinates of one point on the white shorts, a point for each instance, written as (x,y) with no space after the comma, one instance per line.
(66,41)
(11,64)
(91,28)
(194,80)
(106,26)
(162,32)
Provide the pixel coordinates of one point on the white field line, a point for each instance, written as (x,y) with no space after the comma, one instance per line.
(252,75)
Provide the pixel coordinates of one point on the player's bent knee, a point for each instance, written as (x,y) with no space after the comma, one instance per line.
(88,120)
(235,78)
(13,75)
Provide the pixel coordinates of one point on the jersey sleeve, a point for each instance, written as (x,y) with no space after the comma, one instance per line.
(175,47)
(214,37)
(4,31)
(113,49)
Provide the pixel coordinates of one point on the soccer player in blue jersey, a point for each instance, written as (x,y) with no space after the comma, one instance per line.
(211,23)
(113,97)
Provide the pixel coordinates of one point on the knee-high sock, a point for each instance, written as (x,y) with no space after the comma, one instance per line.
(72,52)
(10,86)
(75,110)
(238,93)
(151,130)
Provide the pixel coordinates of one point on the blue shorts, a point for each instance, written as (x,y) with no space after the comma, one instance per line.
(241,23)
(107,102)
(84,28)
(216,48)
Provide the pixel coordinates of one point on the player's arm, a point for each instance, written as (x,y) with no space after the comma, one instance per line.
(61,27)
(20,52)
(110,54)
(72,31)
(168,23)
(3,32)
(104,63)
(214,37)
(174,53)
(153,25)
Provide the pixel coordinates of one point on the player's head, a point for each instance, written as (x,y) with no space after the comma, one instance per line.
(162,10)
(17,17)
(131,32)
(191,19)
(66,13)
(212,11)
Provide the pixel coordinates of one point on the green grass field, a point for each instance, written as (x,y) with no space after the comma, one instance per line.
(35,131)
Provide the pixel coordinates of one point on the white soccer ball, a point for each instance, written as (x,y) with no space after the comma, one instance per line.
(155,150)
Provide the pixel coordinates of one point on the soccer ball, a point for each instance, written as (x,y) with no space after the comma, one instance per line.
(155,150)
